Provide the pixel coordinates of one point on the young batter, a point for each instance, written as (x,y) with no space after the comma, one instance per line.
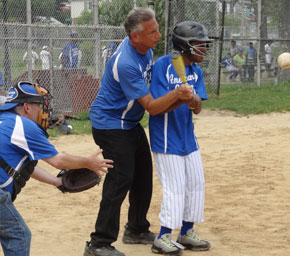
(174,145)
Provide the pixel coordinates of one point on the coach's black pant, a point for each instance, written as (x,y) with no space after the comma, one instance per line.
(129,149)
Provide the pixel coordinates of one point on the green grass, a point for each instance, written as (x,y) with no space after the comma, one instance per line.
(248,99)
(81,126)
(244,99)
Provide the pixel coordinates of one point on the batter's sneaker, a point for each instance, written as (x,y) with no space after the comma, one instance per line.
(165,245)
(131,237)
(90,250)
(192,242)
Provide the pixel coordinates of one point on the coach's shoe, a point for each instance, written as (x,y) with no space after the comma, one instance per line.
(131,237)
(90,250)
(192,242)
(165,245)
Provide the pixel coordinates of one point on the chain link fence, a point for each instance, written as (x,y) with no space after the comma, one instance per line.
(206,13)
(34,33)
(32,45)
(260,23)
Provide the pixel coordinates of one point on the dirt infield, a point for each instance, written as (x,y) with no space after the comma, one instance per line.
(247,211)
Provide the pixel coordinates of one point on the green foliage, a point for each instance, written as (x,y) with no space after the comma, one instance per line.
(251,99)
(86,18)
(114,12)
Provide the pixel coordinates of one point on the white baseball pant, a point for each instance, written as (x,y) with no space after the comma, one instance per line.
(182,181)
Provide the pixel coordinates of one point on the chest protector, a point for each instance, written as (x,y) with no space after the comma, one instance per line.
(20,177)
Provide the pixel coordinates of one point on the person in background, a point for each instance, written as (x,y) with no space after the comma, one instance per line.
(234,49)
(34,59)
(251,59)
(2,90)
(70,57)
(228,62)
(24,141)
(109,51)
(239,62)
(268,57)
(45,57)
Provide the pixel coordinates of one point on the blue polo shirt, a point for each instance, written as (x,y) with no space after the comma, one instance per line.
(125,80)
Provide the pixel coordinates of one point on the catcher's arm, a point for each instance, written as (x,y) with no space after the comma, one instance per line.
(45,177)
(93,162)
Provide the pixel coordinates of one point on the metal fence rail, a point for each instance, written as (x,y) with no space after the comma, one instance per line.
(29,26)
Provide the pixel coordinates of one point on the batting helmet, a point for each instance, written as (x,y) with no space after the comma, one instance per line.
(186,32)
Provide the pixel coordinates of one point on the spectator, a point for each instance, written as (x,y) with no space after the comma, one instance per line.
(228,62)
(109,51)
(251,57)
(239,62)
(2,92)
(1,80)
(234,50)
(45,57)
(70,56)
(268,56)
(34,58)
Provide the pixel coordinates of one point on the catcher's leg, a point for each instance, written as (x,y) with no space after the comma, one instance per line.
(15,236)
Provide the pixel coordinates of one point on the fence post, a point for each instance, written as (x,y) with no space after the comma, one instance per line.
(259,43)
(97,41)
(29,41)
(7,63)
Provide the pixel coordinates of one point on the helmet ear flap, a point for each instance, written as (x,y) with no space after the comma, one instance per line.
(179,45)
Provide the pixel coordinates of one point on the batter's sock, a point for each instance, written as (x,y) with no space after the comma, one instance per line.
(185,226)
(164,230)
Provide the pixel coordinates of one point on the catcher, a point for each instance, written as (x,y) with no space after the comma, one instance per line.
(23,120)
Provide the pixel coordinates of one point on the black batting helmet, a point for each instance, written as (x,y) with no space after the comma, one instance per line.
(186,32)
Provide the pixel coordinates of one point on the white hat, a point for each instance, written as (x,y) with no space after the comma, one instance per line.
(44,47)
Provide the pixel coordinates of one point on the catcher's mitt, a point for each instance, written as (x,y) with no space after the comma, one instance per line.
(77,180)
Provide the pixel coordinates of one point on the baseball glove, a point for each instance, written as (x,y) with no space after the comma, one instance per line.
(77,180)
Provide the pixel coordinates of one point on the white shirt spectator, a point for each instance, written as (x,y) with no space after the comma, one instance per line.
(268,51)
(34,57)
(45,58)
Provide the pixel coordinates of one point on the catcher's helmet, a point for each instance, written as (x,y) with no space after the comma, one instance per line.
(186,32)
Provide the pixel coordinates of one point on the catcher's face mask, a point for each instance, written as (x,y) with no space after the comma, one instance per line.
(24,92)
(45,111)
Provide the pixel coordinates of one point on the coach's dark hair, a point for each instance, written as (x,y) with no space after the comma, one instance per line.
(135,17)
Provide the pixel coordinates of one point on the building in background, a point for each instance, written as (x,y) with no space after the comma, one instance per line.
(78,6)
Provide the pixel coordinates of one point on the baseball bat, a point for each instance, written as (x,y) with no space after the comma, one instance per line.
(178,65)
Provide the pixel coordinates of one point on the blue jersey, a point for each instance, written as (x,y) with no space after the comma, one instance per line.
(125,80)
(21,141)
(173,132)
(71,55)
